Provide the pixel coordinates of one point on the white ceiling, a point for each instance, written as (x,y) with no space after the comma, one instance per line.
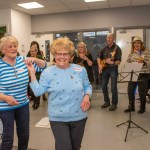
(57,6)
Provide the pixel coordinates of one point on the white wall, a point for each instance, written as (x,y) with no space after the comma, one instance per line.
(94,19)
(5,19)
(21,29)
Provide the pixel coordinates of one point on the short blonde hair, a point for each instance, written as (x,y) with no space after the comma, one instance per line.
(62,43)
(4,39)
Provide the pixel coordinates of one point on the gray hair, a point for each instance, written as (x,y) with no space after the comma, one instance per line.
(10,38)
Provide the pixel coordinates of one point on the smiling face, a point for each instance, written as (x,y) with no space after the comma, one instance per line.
(137,45)
(62,50)
(81,48)
(33,51)
(10,49)
(62,58)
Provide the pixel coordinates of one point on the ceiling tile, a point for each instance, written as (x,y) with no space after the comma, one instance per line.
(98,5)
(119,3)
(56,6)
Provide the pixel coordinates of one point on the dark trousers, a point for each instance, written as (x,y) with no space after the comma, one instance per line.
(21,116)
(142,88)
(36,100)
(110,72)
(97,77)
(68,135)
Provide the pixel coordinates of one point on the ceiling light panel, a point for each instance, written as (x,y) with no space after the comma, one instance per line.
(31,5)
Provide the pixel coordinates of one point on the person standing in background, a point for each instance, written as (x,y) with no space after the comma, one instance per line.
(141,55)
(36,44)
(84,58)
(36,100)
(39,53)
(69,92)
(108,61)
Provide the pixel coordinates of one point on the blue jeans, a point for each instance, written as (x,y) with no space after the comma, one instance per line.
(21,116)
(110,72)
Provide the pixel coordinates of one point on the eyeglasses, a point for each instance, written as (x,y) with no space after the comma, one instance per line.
(62,54)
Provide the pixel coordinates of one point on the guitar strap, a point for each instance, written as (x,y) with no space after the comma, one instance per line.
(114,50)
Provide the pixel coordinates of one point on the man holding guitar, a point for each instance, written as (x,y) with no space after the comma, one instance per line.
(108,61)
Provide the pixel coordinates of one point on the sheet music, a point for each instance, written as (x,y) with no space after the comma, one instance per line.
(125,74)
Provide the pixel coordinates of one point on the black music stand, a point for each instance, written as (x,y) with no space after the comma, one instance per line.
(130,121)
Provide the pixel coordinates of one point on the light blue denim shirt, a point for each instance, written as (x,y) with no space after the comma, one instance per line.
(66,89)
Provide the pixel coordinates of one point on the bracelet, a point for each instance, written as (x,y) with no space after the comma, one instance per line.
(88,95)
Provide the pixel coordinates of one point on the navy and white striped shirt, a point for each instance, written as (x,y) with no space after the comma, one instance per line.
(14,82)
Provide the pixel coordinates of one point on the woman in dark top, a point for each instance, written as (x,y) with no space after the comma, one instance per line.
(39,53)
(84,58)
(36,44)
(36,100)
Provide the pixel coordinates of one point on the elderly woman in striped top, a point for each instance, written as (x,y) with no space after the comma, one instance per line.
(141,55)
(14,102)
